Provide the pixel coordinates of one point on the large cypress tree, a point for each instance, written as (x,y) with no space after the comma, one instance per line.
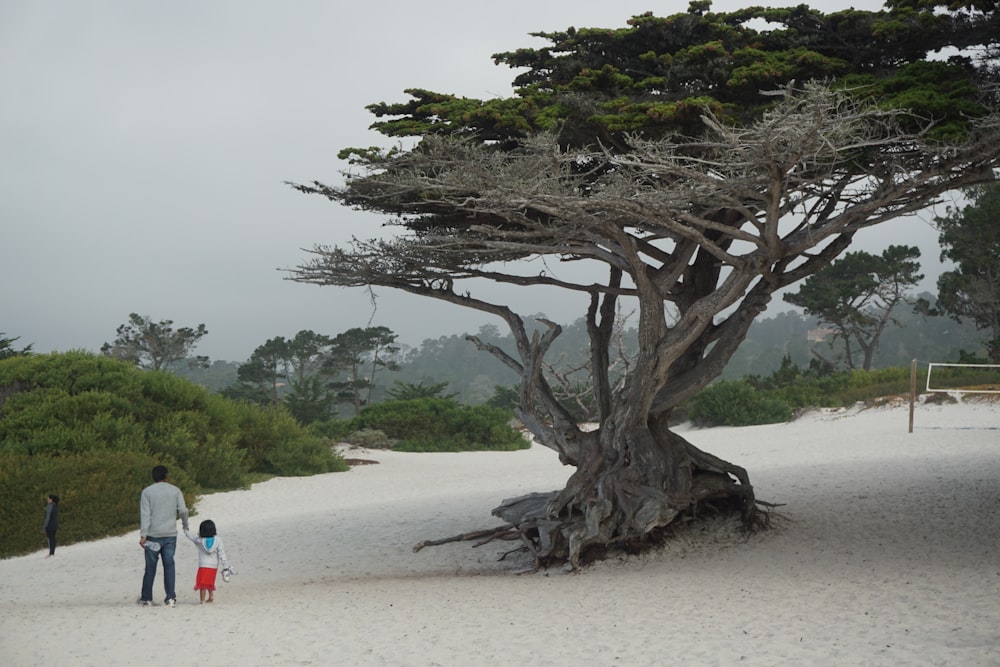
(689,166)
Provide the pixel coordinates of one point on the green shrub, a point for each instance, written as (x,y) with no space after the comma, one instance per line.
(819,387)
(50,420)
(334,429)
(77,408)
(305,456)
(218,464)
(440,424)
(263,429)
(98,490)
(399,419)
(736,403)
(803,393)
(766,398)
(370,438)
(854,394)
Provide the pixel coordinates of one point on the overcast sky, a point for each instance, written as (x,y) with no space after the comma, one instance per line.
(144,146)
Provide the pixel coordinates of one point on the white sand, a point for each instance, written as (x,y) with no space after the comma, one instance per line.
(889,556)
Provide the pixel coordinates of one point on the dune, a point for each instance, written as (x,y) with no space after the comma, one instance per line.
(885,551)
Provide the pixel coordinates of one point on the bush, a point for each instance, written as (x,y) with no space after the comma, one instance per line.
(218,464)
(98,495)
(819,387)
(260,430)
(736,403)
(767,398)
(399,419)
(803,393)
(333,429)
(439,424)
(62,410)
(370,438)
(305,456)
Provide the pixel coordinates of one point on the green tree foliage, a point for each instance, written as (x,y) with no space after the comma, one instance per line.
(264,374)
(970,237)
(406,391)
(312,373)
(307,359)
(296,372)
(155,345)
(7,349)
(310,399)
(857,294)
(659,74)
(63,413)
(360,354)
(505,398)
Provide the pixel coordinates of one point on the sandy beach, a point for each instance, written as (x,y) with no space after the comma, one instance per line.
(887,552)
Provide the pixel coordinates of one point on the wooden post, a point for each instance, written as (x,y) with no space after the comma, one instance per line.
(913,390)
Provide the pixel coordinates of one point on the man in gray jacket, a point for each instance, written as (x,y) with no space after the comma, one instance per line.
(159,506)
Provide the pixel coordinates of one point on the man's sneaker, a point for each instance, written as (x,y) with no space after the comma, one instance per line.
(172,602)
(146,603)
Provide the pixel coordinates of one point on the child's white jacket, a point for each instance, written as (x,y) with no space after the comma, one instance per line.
(209,556)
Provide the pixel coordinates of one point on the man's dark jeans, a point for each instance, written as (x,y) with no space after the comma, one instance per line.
(168,545)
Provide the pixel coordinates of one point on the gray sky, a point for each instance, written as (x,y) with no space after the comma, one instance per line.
(144,146)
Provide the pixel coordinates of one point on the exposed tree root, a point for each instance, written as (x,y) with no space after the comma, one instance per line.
(628,493)
(507,532)
(547,539)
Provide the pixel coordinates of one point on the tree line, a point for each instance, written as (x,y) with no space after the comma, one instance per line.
(452,366)
(859,310)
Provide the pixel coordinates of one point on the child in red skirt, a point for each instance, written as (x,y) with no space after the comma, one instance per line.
(210,553)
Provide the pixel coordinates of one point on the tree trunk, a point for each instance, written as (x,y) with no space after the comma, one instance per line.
(629,484)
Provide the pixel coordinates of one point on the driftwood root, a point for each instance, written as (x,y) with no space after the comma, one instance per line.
(507,532)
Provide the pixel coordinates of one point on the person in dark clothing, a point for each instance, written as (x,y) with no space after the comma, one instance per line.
(51,523)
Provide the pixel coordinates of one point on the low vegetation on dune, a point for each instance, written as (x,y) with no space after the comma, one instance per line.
(90,429)
(790,390)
